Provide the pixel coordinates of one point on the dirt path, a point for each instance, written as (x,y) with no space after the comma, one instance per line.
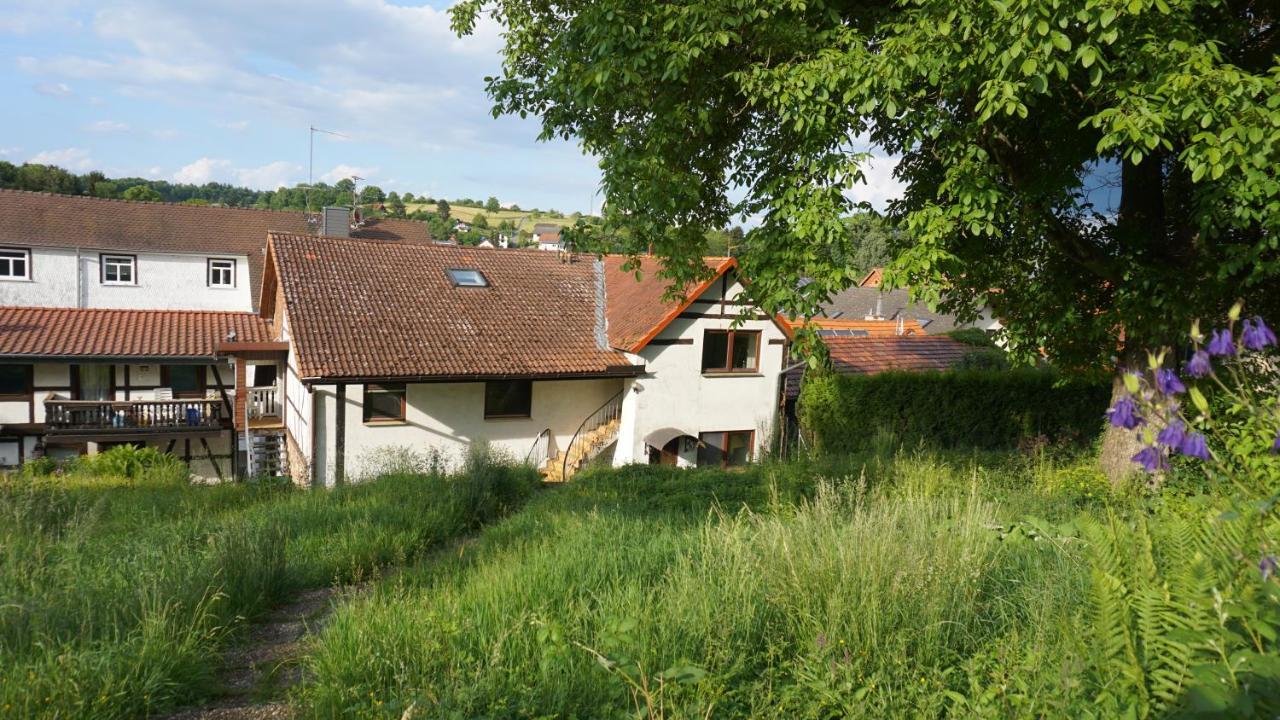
(257,672)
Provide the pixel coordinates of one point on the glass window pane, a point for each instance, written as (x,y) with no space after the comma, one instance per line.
(184,380)
(15,379)
(384,405)
(738,451)
(710,450)
(715,350)
(744,350)
(508,398)
(467,277)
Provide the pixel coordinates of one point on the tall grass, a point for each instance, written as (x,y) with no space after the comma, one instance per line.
(116,592)
(786,591)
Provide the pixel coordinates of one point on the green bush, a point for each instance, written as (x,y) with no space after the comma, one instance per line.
(960,409)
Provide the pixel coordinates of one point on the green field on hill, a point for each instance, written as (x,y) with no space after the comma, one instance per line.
(524,220)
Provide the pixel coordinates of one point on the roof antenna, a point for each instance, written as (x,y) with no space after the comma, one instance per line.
(311,160)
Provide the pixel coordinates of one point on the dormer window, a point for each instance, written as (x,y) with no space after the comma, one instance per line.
(15,264)
(119,270)
(467,277)
(222,273)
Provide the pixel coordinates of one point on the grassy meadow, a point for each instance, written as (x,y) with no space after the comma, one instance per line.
(911,584)
(524,219)
(120,582)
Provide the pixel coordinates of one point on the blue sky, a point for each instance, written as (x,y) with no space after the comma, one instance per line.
(197,91)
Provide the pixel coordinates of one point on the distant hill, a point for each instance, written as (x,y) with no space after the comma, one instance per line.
(524,219)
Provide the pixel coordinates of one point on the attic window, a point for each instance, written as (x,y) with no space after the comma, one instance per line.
(466,277)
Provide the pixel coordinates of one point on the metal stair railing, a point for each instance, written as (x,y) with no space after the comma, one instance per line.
(538,452)
(583,447)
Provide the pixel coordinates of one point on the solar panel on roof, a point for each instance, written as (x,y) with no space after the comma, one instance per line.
(842,332)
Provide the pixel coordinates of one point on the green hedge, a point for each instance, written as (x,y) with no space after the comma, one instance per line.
(960,409)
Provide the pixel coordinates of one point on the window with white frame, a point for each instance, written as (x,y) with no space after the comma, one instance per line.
(15,264)
(119,270)
(222,273)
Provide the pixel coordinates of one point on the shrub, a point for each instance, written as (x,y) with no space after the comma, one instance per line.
(959,409)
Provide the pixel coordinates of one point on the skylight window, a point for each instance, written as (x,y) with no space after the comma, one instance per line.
(466,277)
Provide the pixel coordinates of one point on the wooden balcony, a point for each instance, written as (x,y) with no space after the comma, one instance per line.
(108,419)
(263,406)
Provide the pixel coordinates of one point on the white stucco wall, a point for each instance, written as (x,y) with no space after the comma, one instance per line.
(446,418)
(674,393)
(165,281)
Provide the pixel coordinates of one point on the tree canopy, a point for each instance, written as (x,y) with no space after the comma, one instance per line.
(1078,165)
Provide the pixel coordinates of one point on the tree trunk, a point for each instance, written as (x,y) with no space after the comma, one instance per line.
(1118,446)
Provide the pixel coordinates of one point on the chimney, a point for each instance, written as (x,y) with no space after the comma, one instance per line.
(335,222)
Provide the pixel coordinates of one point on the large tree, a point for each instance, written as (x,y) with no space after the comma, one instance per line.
(1012,119)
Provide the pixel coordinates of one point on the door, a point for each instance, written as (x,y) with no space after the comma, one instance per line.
(670,454)
(93,382)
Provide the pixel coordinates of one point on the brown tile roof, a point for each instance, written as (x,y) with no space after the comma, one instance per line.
(48,220)
(365,310)
(637,311)
(872,328)
(872,279)
(82,333)
(870,355)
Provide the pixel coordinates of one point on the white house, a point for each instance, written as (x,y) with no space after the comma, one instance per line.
(118,321)
(557,361)
(547,236)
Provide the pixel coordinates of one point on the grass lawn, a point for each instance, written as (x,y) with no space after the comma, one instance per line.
(117,592)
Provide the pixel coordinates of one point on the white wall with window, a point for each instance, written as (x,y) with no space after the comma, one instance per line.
(714,383)
(446,418)
(51,277)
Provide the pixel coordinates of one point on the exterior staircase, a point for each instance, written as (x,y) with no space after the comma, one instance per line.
(268,455)
(594,436)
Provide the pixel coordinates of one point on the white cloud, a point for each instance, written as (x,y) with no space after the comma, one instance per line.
(7,151)
(24,17)
(880,186)
(107,126)
(202,171)
(265,177)
(270,176)
(164,133)
(237,125)
(59,89)
(345,171)
(66,158)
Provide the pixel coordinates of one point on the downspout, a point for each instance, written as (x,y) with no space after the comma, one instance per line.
(79,279)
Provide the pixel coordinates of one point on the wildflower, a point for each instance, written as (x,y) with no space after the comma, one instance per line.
(1275,446)
(1193,445)
(1152,459)
(1268,565)
(1257,335)
(1125,414)
(1221,343)
(1168,382)
(1199,366)
(1173,434)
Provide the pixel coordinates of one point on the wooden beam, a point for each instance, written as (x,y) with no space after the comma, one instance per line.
(222,390)
(209,453)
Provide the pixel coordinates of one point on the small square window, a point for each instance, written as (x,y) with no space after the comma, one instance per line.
(384,403)
(730,351)
(725,449)
(508,398)
(222,273)
(15,381)
(119,270)
(15,264)
(466,277)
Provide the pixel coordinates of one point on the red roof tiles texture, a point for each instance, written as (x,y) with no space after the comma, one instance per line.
(359,309)
(870,355)
(74,333)
(48,220)
(636,309)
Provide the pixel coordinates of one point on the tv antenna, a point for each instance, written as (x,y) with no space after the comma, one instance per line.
(311,158)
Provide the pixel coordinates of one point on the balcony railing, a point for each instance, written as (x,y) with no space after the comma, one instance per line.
(264,402)
(96,416)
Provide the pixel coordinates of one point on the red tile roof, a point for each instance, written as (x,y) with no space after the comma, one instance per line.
(873,328)
(870,355)
(49,220)
(637,309)
(365,310)
(872,279)
(155,334)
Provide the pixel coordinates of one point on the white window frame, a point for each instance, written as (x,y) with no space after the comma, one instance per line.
(227,265)
(130,261)
(10,255)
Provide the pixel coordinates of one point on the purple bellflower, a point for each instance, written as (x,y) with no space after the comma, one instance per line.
(1193,445)
(1256,335)
(1275,446)
(1169,382)
(1173,435)
(1151,459)
(1268,566)
(1221,343)
(1125,414)
(1199,365)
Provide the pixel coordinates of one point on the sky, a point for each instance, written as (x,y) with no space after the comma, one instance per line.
(196,91)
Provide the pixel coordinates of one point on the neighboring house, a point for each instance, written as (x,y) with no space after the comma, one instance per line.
(417,347)
(547,236)
(867,301)
(461,226)
(116,321)
(485,244)
(862,328)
